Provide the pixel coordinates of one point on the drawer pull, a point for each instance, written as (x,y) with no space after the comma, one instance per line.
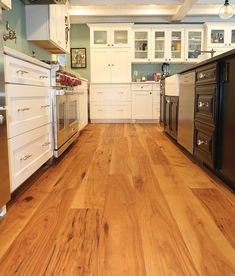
(22,72)
(100,109)
(202,142)
(203,104)
(25,157)
(120,93)
(43,77)
(46,144)
(45,106)
(202,75)
(121,110)
(99,92)
(23,109)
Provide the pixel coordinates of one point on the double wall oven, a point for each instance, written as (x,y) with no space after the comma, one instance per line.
(65,109)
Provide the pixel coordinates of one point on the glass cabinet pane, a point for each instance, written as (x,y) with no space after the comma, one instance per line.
(233,36)
(217,36)
(194,43)
(176,43)
(121,37)
(141,45)
(72,114)
(159,44)
(100,37)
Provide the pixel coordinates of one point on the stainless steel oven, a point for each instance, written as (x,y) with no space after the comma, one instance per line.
(65,109)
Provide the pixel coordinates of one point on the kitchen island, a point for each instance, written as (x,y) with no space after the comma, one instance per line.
(214,116)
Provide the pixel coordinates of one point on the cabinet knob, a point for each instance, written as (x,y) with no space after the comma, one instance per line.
(150,93)
(108,44)
(109,64)
(112,44)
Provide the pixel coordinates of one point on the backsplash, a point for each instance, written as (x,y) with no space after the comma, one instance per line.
(16,19)
(148,69)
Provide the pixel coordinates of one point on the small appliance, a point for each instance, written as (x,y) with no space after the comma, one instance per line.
(165,70)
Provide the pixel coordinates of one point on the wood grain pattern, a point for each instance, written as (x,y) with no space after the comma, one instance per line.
(124,200)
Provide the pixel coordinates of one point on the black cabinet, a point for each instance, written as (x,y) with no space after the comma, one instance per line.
(171,115)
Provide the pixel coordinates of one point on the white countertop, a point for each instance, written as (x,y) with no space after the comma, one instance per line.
(11,52)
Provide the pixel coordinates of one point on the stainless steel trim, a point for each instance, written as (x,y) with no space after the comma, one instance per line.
(4,165)
(58,152)
(186,111)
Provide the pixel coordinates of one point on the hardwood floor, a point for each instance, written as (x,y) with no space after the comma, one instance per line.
(124,200)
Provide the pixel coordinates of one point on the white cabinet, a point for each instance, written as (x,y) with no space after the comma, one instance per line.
(47,26)
(110,65)
(168,45)
(109,35)
(110,102)
(28,115)
(146,101)
(194,40)
(83,105)
(142,45)
(6,4)
(220,36)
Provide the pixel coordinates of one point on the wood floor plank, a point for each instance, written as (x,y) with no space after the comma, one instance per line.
(120,248)
(221,209)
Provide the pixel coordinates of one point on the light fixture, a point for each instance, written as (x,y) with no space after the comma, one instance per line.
(226,11)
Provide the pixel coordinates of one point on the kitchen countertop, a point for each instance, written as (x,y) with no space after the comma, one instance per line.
(13,53)
(208,61)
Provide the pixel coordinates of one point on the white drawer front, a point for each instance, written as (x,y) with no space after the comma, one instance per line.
(156,111)
(29,107)
(156,86)
(28,152)
(141,86)
(23,72)
(110,93)
(121,111)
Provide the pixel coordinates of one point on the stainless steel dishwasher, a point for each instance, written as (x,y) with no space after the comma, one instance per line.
(186,110)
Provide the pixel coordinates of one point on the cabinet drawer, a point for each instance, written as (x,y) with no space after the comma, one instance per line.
(28,152)
(29,107)
(141,86)
(110,93)
(206,103)
(121,111)
(23,72)
(156,86)
(206,74)
(205,143)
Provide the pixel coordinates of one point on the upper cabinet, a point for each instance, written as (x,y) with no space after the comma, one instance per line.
(142,49)
(48,27)
(110,36)
(5,4)
(193,42)
(220,36)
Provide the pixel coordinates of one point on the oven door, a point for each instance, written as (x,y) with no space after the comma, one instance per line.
(61,126)
(72,113)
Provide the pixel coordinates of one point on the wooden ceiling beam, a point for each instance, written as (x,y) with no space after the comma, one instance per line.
(183,10)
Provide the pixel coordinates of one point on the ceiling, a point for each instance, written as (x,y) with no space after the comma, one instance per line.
(145,11)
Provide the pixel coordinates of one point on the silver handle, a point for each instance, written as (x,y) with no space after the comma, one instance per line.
(202,75)
(2,119)
(22,72)
(45,106)
(99,92)
(100,109)
(202,104)
(3,108)
(202,142)
(46,144)
(120,110)
(120,93)
(23,109)
(43,77)
(109,64)
(25,157)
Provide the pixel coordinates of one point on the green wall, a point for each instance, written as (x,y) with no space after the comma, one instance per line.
(80,38)
(17,21)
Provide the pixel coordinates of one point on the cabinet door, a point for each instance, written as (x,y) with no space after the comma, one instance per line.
(53,23)
(60,26)
(193,42)
(159,45)
(142,45)
(100,37)
(83,109)
(216,37)
(142,105)
(121,65)
(167,110)
(120,37)
(176,45)
(231,37)
(101,66)
(174,117)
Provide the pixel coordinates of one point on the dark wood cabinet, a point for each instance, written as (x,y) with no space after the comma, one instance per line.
(162,101)
(171,115)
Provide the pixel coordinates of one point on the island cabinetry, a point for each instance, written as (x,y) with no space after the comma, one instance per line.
(171,115)
(205,114)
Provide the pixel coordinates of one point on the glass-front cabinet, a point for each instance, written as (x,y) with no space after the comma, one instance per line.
(193,43)
(168,45)
(142,45)
(110,36)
